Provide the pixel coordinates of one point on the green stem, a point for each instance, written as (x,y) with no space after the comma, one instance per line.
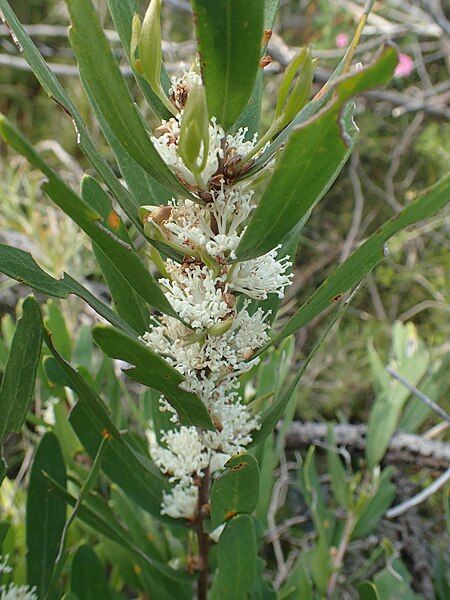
(339,557)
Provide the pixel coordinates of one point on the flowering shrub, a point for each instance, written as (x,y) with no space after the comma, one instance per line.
(194,325)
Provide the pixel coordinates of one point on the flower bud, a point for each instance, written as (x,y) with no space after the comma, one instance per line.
(136,28)
(150,46)
(220,328)
(147,39)
(152,231)
(158,214)
(289,103)
(194,131)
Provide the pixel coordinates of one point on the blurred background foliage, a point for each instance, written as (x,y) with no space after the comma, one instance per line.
(404,147)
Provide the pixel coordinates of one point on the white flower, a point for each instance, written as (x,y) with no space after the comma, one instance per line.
(215,227)
(262,276)
(195,295)
(167,146)
(4,567)
(180,502)
(181,86)
(211,365)
(182,454)
(12,592)
(217,532)
(213,343)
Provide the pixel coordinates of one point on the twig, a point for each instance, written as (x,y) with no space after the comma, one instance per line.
(277,500)
(398,153)
(339,557)
(419,498)
(403,447)
(425,399)
(358,210)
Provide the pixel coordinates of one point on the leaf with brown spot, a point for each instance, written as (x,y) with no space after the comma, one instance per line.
(236,490)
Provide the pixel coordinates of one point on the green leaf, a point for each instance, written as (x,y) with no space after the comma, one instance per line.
(88,579)
(91,422)
(98,515)
(46,514)
(411,360)
(251,115)
(153,371)
(128,304)
(310,484)
(122,12)
(376,506)
(367,591)
(17,386)
(20,265)
(267,459)
(4,528)
(229,35)
(143,187)
(338,474)
(57,326)
(118,252)
(271,415)
(367,257)
(314,156)
(100,72)
(433,386)
(55,91)
(299,584)
(393,583)
(236,489)
(237,560)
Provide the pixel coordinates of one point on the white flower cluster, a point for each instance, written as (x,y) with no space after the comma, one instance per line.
(216,342)
(11,591)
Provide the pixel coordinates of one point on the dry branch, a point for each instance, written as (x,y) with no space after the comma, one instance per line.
(404,447)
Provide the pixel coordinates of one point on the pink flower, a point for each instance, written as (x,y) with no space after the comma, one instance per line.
(341,40)
(404,67)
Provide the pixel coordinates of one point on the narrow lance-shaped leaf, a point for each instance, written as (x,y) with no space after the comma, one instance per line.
(236,490)
(367,256)
(143,187)
(90,420)
(46,514)
(88,579)
(101,73)
(20,265)
(122,13)
(128,304)
(251,115)
(55,91)
(98,515)
(17,386)
(312,107)
(314,156)
(152,370)
(118,252)
(230,37)
(272,414)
